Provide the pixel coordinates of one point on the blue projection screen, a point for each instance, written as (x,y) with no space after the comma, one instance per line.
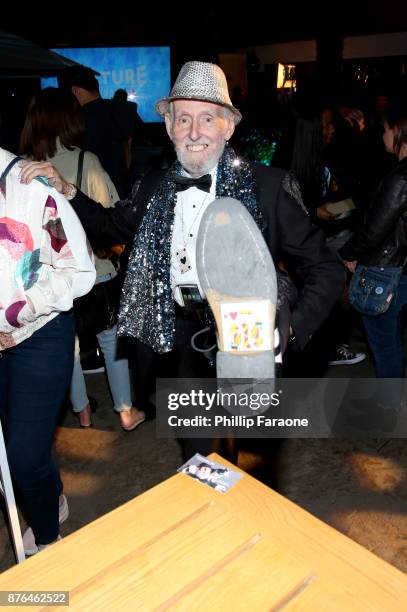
(144,72)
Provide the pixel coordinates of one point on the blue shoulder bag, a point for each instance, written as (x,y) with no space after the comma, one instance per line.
(373,288)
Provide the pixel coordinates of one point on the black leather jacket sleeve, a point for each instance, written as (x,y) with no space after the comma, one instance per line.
(382,239)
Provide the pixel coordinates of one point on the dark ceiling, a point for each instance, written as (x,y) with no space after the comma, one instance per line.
(198,27)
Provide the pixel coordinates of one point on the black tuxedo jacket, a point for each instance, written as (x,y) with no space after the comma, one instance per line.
(289,234)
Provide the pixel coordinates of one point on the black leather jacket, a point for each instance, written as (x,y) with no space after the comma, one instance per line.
(382,241)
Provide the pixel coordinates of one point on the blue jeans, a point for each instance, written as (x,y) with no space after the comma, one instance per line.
(385,336)
(34,379)
(117,373)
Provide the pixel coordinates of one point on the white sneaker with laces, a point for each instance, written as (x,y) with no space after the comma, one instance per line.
(30,545)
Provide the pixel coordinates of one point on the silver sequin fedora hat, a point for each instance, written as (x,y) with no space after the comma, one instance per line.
(200,81)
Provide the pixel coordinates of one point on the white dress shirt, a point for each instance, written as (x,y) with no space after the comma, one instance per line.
(191,205)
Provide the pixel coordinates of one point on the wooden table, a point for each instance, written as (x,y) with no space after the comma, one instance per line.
(185,546)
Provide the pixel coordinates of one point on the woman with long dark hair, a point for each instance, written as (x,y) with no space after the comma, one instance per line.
(313,133)
(52,131)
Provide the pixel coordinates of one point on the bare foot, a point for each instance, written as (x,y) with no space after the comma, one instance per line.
(84,417)
(130,419)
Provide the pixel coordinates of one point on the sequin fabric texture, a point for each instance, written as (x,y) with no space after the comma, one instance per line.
(200,81)
(147,308)
(292,187)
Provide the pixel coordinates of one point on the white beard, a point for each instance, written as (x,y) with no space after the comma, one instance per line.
(199,166)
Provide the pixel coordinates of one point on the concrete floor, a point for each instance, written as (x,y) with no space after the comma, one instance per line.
(357,486)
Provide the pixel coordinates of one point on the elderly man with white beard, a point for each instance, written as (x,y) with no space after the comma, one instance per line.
(162,218)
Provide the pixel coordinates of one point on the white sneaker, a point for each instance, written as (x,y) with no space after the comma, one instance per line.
(30,546)
(63,509)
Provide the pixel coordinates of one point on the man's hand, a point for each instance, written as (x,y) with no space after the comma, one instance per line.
(351,265)
(31,170)
(324,214)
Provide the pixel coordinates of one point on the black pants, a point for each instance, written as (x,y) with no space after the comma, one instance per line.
(182,362)
(312,362)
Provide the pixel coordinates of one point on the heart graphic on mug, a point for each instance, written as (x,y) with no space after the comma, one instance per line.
(233,315)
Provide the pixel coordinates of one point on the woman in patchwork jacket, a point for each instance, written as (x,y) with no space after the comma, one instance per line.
(45,263)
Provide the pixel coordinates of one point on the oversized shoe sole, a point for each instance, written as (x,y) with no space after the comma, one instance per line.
(237,274)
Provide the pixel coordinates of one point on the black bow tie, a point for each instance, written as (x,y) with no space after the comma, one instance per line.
(185,182)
